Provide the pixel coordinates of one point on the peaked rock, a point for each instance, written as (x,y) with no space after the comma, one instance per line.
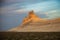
(31,17)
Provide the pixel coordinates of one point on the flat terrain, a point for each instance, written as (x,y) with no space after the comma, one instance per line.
(29,35)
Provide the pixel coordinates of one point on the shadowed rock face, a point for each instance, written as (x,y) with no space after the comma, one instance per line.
(33,23)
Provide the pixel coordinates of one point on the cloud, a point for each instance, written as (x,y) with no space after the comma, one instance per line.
(11,8)
(53,14)
(52,11)
(13,1)
(38,7)
(21,8)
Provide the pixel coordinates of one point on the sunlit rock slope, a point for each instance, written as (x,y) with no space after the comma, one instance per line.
(32,23)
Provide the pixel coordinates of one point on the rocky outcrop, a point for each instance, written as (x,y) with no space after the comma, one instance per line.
(31,17)
(32,23)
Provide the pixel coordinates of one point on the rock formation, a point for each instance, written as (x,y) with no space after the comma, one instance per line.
(32,17)
(32,23)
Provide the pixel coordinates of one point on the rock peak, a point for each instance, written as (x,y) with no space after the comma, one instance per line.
(31,17)
(31,12)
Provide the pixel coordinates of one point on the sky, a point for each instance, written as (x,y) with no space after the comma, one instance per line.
(14,11)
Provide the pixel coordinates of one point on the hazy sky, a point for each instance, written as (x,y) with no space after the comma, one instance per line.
(13,11)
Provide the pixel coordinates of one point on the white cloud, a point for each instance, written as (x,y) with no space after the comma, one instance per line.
(52,11)
(53,14)
(10,8)
(21,10)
